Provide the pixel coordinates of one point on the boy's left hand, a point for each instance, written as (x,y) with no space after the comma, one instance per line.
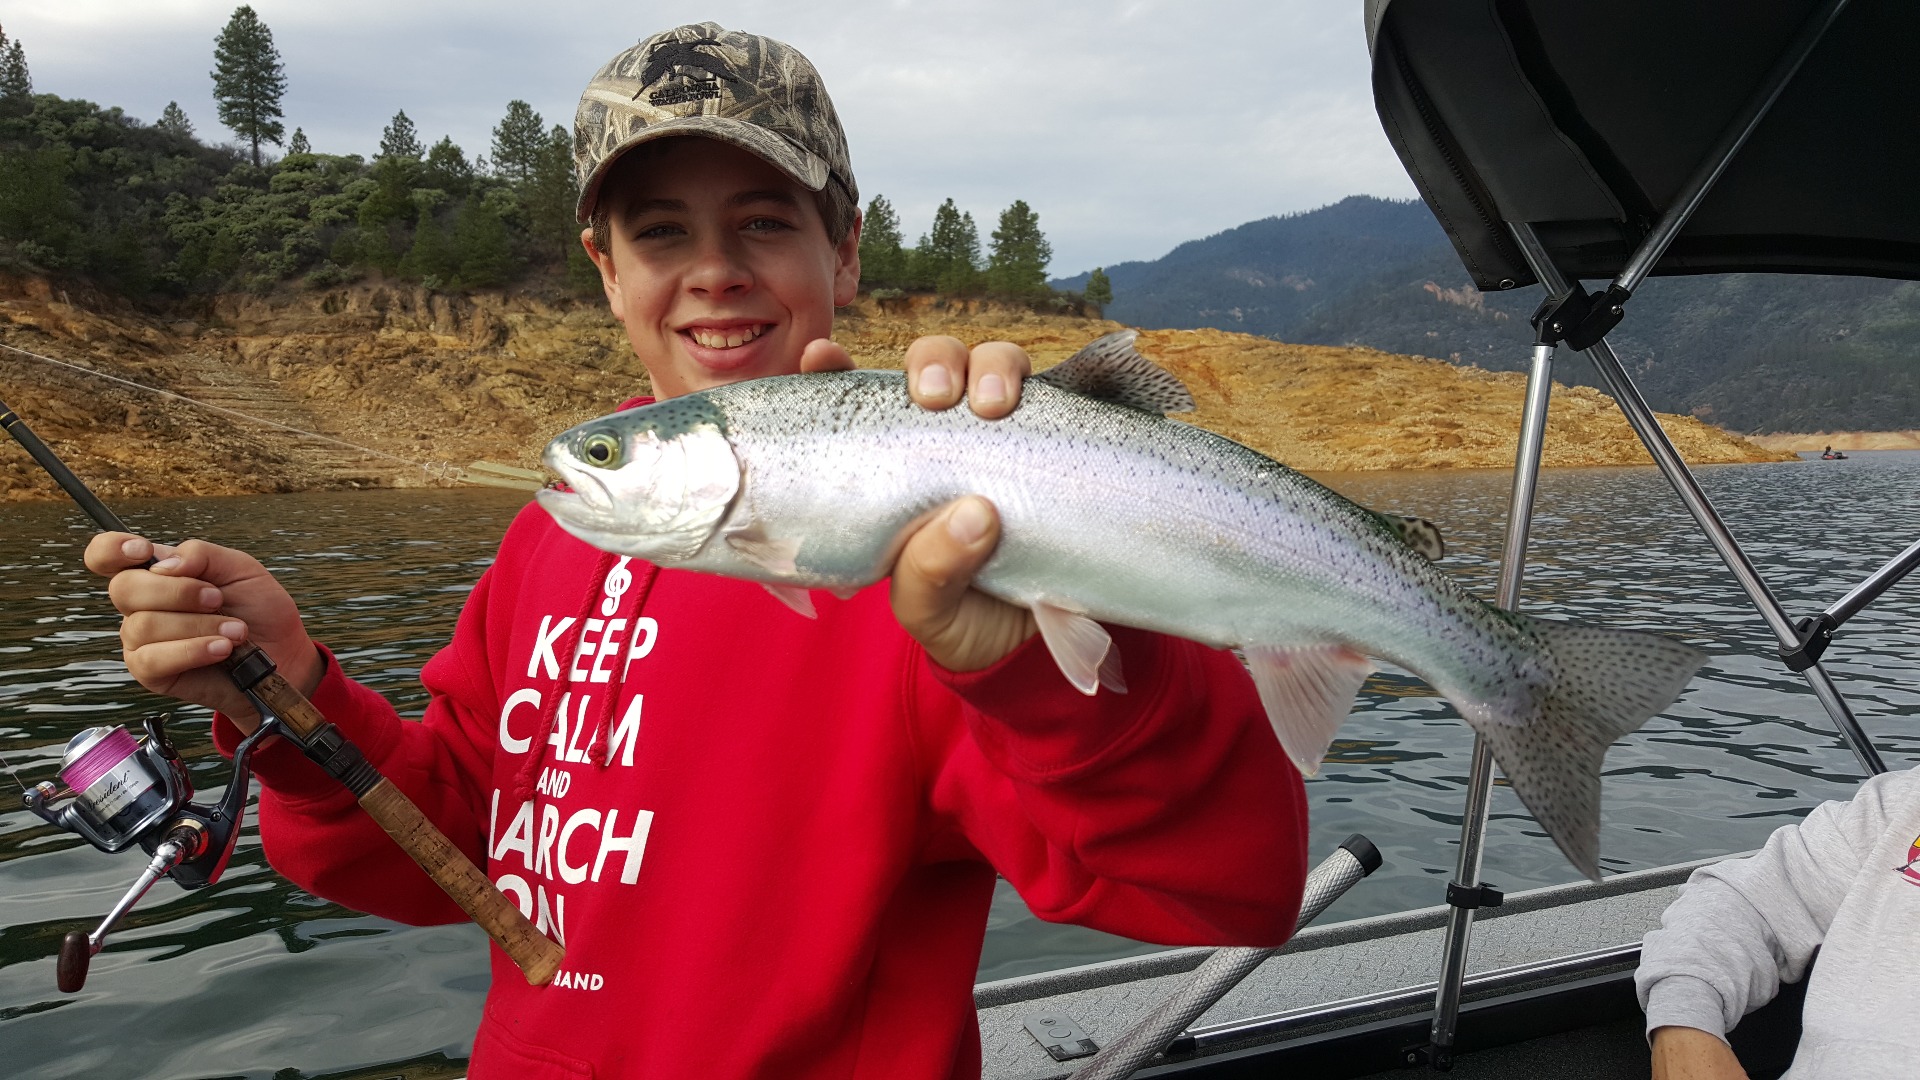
(961,628)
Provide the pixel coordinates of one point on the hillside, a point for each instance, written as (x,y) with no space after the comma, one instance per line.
(437,379)
(1750,352)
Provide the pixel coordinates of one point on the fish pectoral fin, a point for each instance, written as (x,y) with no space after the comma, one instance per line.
(1078,644)
(794,597)
(1308,692)
(763,551)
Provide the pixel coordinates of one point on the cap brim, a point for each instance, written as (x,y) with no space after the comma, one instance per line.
(806,168)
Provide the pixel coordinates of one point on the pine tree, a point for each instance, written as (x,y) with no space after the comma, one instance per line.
(1099,289)
(882,258)
(298,144)
(1021,253)
(16,84)
(482,246)
(400,140)
(448,168)
(950,254)
(248,80)
(517,143)
(173,120)
(548,197)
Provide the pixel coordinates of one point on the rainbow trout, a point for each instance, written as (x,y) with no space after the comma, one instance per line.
(1111,512)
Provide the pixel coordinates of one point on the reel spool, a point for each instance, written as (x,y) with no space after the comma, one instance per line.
(115,793)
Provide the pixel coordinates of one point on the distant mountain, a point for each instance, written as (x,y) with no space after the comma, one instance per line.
(1753,352)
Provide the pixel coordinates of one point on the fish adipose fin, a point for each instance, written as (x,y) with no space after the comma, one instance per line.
(1080,646)
(1109,369)
(1606,683)
(794,597)
(1421,535)
(1308,693)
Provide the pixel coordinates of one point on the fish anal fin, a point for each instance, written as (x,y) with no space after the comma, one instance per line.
(794,597)
(1109,369)
(1307,692)
(1418,533)
(1111,676)
(1078,644)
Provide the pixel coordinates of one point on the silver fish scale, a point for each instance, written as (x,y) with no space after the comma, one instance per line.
(1244,550)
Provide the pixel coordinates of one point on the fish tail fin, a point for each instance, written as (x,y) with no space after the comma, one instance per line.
(1606,683)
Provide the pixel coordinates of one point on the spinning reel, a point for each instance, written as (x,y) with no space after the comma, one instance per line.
(115,792)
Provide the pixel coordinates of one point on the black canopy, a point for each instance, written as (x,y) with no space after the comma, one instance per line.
(1586,119)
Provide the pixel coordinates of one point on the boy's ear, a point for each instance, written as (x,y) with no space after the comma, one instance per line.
(609,278)
(846,278)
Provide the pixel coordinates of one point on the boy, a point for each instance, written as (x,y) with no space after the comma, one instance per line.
(767,843)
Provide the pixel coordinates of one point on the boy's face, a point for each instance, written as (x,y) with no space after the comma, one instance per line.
(720,268)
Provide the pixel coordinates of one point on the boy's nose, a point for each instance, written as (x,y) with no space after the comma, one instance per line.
(719,268)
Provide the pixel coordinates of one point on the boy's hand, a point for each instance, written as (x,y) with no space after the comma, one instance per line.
(940,368)
(187,612)
(962,628)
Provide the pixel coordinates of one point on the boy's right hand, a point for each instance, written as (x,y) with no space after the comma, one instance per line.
(186,613)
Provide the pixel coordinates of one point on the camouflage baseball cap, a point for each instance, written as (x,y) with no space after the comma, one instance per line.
(756,93)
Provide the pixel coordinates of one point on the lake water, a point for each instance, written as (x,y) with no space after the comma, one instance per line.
(254,978)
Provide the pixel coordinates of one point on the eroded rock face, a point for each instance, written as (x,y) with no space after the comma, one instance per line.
(434,379)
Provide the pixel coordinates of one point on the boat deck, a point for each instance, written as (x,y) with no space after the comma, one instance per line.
(1363,971)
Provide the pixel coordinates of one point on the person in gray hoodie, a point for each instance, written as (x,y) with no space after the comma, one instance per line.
(1845,881)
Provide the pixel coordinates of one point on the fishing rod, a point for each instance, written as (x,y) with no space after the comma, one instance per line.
(119,792)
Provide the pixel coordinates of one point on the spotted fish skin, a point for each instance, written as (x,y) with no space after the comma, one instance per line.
(1135,519)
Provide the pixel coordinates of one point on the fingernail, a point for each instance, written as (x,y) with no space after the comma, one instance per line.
(233,630)
(209,598)
(135,548)
(993,390)
(219,647)
(968,522)
(170,563)
(935,382)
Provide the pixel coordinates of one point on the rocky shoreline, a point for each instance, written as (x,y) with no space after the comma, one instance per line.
(417,383)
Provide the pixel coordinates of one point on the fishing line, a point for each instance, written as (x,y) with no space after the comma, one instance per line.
(421,465)
(14,771)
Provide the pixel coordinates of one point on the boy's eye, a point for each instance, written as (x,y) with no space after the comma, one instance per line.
(658,231)
(766,224)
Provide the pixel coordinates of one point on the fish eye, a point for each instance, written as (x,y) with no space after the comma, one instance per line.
(601,449)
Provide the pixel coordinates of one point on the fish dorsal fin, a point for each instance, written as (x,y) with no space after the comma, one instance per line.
(1421,535)
(1079,645)
(1109,369)
(1308,693)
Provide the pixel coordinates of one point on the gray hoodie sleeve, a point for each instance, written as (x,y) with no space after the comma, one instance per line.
(1742,927)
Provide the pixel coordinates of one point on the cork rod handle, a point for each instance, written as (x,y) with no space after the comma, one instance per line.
(538,956)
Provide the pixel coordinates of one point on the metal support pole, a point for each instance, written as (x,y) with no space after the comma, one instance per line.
(1640,415)
(1869,590)
(1473,823)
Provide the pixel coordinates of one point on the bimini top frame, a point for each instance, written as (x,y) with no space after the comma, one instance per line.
(1557,142)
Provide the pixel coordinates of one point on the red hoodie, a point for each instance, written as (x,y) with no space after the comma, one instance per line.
(768,843)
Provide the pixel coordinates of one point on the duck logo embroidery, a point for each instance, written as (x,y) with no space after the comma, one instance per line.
(682,63)
(1911,869)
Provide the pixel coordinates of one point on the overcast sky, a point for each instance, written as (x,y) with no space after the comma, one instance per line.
(1129,127)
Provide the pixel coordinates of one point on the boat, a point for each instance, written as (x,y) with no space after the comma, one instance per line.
(1556,144)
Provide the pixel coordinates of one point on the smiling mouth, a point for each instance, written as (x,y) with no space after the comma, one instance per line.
(730,338)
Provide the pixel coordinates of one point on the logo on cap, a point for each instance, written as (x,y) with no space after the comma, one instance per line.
(681,61)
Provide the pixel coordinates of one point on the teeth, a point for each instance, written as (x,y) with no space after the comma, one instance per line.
(726,339)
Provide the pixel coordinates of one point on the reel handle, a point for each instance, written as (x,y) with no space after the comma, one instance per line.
(75,953)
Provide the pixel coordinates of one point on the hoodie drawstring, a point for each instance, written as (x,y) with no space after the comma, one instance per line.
(526,780)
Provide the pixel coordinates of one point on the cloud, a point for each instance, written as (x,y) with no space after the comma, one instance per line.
(1130,127)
